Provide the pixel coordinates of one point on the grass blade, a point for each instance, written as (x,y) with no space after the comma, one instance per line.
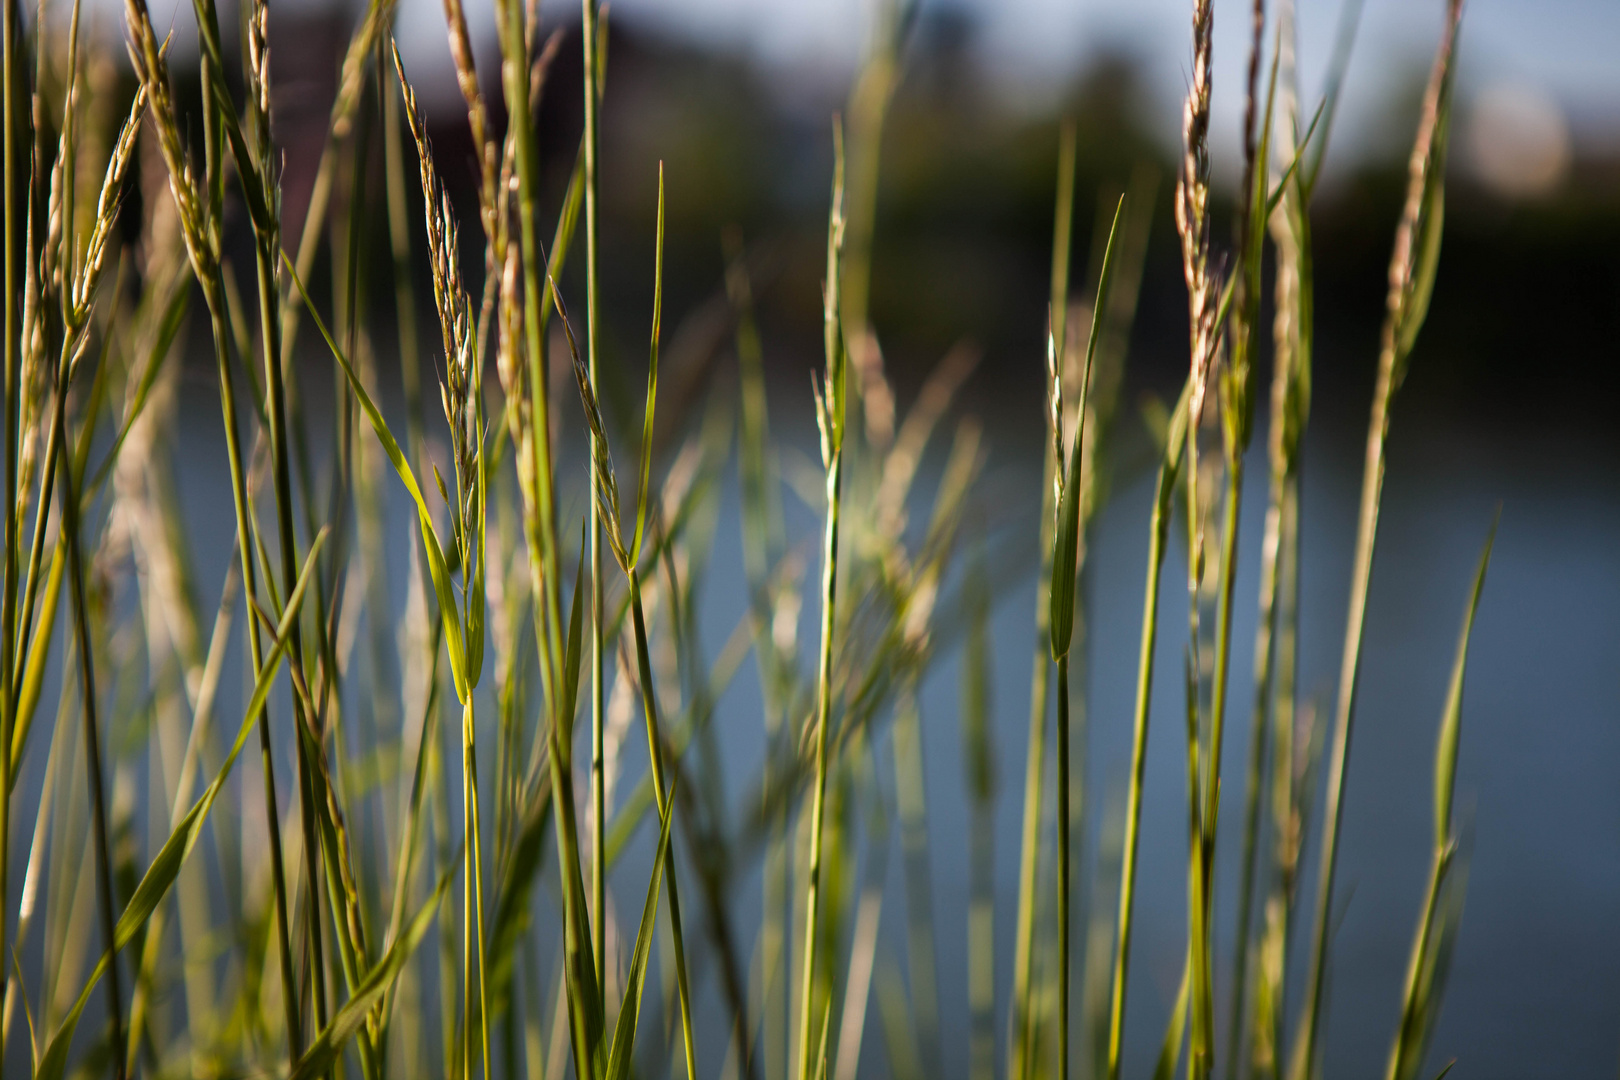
(430,538)
(624,1030)
(1430,949)
(324,1051)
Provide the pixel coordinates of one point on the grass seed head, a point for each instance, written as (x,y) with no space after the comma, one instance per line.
(95,255)
(258,76)
(1192,205)
(152,69)
(451,301)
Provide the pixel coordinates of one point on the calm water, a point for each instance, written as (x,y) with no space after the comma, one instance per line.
(1535,988)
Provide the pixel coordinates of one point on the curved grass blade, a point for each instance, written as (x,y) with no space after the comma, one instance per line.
(511,918)
(1065,558)
(33,679)
(624,1030)
(430,539)
(652,379)
(1066,545)
(1431,947)
(328,1045)
(1445,755)
(1170,1052)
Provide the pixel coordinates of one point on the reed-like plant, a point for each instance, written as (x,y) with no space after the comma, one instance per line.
(830,401)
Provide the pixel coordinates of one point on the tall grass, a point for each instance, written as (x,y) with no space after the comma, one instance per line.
(270,922)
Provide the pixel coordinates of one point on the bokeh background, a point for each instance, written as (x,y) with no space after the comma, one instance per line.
(1512,402)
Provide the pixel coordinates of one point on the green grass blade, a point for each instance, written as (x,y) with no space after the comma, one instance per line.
(1170,1051)
(324,1051)
(576,630)
(430,539)
(652,379)
(1431,948)
(624,1030)
(1174,446)
(511,917)
(1066,544)
(1445,754)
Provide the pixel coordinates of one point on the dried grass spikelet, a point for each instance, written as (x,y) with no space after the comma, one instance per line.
(32,380)
(1411,266)
(461,54)
(1054,417)
(1291,372)
(149,60)
(512,371)
(51,252)
(508,358)
(95,252)
(607,484)
(258,96)
(1192,209)
(456,389)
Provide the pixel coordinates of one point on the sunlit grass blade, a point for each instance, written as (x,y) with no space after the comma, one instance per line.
(830,403)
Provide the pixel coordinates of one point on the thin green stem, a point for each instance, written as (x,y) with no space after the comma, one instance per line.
(1372,487)
(1022,1034)
(1223,639)
(1198,839)
(92,733)
(584,1017)
(911,795)
(655,753)
(1264,652)
(1158,533)
(1065,870)
(598,774)
(1412,268)
(281,467)
(244,525)
(474,891)
(818,807)
(1022,1038)
(1202,998)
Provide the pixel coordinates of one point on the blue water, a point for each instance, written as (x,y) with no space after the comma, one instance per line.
(1534,989)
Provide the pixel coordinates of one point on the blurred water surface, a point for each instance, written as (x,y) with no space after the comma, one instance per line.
(1534,989)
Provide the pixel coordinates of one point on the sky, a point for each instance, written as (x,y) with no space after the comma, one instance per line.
(1562,50)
